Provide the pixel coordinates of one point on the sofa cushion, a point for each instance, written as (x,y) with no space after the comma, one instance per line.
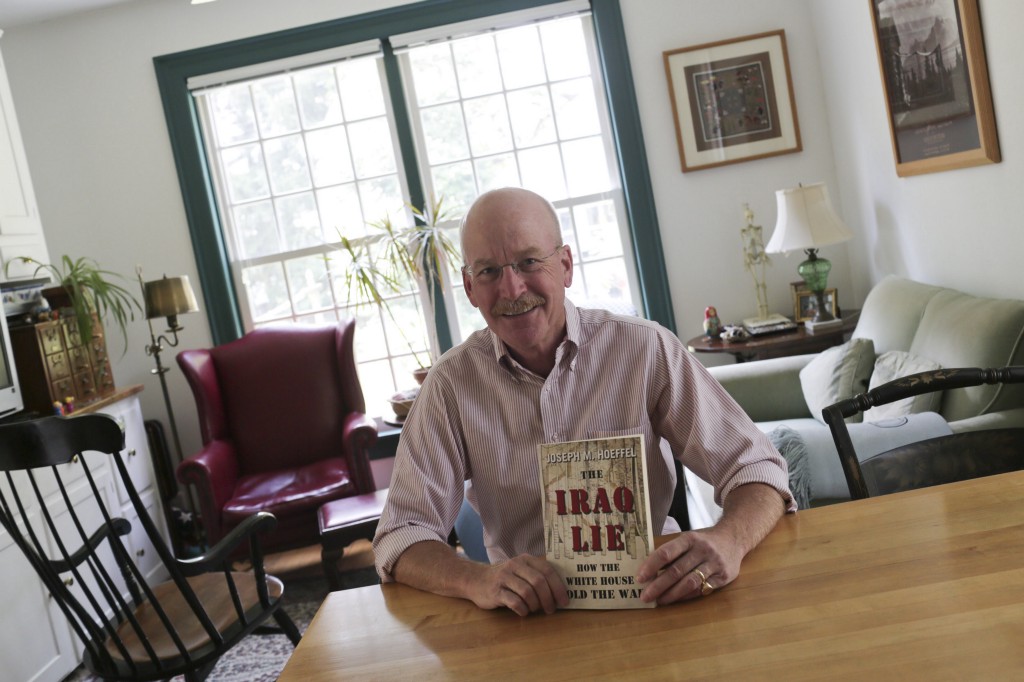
(892,311)
(960,330)
(815,472)
(836,374)
(896,364)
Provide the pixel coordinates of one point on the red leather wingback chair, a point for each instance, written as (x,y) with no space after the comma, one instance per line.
(282,419)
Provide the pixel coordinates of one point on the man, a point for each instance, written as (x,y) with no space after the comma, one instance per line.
(545,371)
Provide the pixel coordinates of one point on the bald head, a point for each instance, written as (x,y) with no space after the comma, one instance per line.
(509,205)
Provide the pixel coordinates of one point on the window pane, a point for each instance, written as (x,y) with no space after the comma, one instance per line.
(434,74)
(329,156)
(494,172)
(340,212)
(256,230)
(476,61)
(541,169)
(532,120)
(586,166)
(381,198)
(233,115)
(444,133)
(372,151)
(267,292)
(456,184)
(605,280)
(487,120)
(361,94)
(275,106)
(286,163)
(522,62)
(378,385)
(598,230)
(317,92)
(575,108)
(299,221)
(244,173)
(309,282)
(565,49)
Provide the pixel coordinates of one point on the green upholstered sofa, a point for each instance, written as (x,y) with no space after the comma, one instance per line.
(948,327)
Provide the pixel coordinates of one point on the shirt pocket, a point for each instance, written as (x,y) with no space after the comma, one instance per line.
(636,430)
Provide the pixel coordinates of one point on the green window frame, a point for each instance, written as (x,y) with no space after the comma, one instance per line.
(174,70)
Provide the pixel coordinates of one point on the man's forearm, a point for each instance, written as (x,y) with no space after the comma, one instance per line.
(749,514)
(435,567)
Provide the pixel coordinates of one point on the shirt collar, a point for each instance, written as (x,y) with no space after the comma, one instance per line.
(566,351)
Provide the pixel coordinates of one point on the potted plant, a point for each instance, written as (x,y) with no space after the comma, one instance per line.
(379,264)
(84,287)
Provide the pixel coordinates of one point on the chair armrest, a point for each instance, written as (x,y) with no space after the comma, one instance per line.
(359,434)
(219,555)
(213,471)
(767,390)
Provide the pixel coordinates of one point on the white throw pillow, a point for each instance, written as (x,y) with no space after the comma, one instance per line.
(838,373)
(896,364)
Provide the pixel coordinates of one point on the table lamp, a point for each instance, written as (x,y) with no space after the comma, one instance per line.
(806,220)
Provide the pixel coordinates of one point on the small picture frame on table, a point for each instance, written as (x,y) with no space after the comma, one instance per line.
(803,302)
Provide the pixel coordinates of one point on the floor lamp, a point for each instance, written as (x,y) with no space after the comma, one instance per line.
(168,297)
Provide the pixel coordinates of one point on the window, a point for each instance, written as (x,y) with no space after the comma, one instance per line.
(302,154)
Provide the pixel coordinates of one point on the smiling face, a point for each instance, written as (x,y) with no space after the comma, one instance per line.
(525,309)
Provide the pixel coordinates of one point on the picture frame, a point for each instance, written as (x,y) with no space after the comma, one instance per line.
(732,100)
(803,301)
(938,101)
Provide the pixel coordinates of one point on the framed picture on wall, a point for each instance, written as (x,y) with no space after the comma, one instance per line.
(933,67)
(732,100)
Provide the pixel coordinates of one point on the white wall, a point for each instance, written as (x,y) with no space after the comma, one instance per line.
(959,228)
(701,212)
(94,132)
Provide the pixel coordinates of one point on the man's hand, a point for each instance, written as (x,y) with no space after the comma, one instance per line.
(524,584)
(750,512)
(714,554)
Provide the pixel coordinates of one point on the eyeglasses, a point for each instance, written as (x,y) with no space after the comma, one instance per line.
(489,274)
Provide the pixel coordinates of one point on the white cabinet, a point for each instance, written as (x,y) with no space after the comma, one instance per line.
(36,641)
(21,232)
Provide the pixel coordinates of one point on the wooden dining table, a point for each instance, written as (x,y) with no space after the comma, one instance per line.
(927,584)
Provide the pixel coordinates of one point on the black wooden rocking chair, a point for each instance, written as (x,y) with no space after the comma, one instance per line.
(946,459)
(131,630)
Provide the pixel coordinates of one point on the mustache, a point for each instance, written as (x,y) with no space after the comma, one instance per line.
(523,304)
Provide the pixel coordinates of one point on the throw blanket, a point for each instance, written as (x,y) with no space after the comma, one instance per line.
(815,472)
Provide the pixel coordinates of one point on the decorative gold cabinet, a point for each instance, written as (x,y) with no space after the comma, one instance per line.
(53,365)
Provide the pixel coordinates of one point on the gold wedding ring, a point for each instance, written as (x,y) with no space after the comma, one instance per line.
(706,588)
(700,574)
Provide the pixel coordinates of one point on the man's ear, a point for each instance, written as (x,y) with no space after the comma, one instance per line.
(566,259)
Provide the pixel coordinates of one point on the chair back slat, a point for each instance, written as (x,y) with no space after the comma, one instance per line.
(946,459)
(60,506)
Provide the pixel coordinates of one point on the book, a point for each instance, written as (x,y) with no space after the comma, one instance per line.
(772,323)
(597,518)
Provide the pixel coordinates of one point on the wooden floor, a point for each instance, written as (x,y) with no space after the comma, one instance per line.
(305,562)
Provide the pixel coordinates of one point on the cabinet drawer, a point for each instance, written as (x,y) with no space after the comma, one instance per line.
(85,387)
(79,359)
(57,366)
(50,338)
(63,388)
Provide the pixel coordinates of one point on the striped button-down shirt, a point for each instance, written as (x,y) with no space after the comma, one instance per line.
(480,416)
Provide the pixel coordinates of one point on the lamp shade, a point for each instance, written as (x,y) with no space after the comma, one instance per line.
(169,296)
(806,220)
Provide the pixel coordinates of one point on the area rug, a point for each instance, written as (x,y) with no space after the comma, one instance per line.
(261,658)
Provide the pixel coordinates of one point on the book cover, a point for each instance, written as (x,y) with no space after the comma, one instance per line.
(597,518)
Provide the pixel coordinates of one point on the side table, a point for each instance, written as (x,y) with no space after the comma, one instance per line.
(778,344)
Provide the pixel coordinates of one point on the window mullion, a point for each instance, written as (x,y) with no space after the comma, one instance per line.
(407,145)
